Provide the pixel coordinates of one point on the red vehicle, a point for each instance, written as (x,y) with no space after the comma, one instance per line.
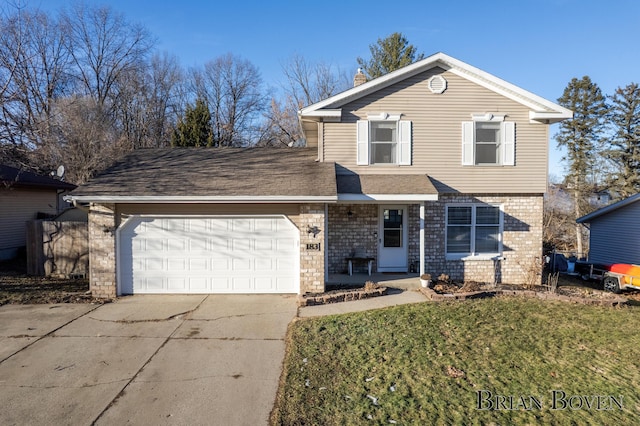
(622,276)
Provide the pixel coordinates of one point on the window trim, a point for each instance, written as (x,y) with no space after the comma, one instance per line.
(404,140)
(506,144)
(472,255)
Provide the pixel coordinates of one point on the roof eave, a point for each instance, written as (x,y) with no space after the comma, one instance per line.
(546,117)
(386,197)
(476,75)
(324,114)
(608,209)
(244,199)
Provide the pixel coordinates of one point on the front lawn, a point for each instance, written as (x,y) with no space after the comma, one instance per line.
(500,361)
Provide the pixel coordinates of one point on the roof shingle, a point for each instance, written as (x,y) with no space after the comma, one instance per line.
(215,172)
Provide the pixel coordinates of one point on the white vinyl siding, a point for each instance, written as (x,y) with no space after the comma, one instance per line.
(436,136)
(20,205)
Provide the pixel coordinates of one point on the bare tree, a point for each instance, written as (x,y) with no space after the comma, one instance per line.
(305,83)
(83,139)
(148,102)
(232,89)
(104,46)
(559,221)
(32,48)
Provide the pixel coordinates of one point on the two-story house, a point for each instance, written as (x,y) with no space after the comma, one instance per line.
(438,164)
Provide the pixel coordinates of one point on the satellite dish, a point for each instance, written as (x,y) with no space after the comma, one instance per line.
(60,171)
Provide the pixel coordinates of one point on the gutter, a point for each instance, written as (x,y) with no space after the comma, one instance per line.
(243,199)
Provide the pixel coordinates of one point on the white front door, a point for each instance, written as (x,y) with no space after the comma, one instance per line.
(392,239)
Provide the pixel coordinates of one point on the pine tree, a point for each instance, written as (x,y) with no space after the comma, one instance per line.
(194,129)
(581,136)
(389,54)
(625,145)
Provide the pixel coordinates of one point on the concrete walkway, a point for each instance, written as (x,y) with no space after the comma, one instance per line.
(395,297)
(144,360)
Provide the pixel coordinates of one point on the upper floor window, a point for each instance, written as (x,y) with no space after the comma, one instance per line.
(383,142)
(384,139)
(488,140)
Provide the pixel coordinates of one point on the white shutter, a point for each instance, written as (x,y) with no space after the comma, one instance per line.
(404,143)
(363,143)
(467,143)
(508,143)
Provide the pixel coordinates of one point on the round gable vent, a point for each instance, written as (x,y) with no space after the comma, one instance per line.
(437,84)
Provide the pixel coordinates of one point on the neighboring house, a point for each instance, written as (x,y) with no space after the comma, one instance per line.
(614,232)
(438,164)
(564,198)
(25,196)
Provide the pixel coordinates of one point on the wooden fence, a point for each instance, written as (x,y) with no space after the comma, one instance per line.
(57,249)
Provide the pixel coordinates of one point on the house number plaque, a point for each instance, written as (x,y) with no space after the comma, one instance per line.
(313,246)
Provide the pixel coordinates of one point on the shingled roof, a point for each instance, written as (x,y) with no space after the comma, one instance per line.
(385,184)
(215,175)
(13,177)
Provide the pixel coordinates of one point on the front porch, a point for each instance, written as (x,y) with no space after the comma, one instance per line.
(405,281)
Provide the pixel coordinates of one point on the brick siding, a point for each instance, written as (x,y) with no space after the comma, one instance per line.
(522,238)
(102,251)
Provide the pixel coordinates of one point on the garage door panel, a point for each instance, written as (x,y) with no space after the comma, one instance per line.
(241,284)
(208,255)
(241,244)
(198,285)
(177,284)
(264,284)
(174,264)
(220,285)
(264,264)
(198,265)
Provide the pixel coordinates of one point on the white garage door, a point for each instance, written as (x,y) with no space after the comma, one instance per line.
(239,254)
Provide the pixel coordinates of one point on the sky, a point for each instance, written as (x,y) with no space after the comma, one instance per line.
(537,45)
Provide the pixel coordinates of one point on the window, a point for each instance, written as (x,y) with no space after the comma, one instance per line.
(473,230)
(382,135)
(392,228)
(488,141)
(384,140)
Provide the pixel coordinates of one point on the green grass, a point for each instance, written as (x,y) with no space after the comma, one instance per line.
(506,346)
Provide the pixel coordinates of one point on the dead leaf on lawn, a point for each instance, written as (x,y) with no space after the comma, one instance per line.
(454,372)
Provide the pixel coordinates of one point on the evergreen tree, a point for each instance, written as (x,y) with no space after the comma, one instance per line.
(194,129)
(581,136)
(389,54)
(625,145)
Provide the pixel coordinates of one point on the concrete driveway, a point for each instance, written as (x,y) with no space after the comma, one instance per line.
(210,359)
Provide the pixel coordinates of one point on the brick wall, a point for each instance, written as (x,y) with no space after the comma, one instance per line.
(346,232)
(102,253)
(312,265)
(522,241)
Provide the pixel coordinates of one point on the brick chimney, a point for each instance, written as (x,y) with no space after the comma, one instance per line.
(359,78)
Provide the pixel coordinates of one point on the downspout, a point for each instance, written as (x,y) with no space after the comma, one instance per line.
(422,245)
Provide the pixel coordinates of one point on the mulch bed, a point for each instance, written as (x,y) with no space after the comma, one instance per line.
(586,294)
(345,294)
(18,288)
